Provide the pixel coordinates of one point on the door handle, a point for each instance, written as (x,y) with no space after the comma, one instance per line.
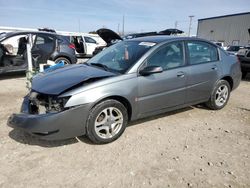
(180,74)
(214,68)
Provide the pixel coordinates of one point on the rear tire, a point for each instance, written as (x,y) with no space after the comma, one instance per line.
(106,122)
(219,96)
(65,60)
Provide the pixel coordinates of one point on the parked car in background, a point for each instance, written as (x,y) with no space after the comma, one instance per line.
(109,36)
(233,50)
(129,80)
(47,30)
(244,58)
(152,33)
(46,46)
(84,45)
(220,44)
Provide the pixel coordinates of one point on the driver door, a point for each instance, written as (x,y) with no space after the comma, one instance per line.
(167,89)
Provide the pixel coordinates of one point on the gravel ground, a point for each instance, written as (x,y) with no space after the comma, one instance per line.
(192,147)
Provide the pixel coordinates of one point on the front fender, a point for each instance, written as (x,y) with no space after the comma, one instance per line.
(98,94)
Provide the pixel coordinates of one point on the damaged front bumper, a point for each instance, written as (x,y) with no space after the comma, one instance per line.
(51,126)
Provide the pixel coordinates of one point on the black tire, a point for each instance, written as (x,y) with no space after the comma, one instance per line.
(96,112)
(65,60)
(244,74)
(211,103)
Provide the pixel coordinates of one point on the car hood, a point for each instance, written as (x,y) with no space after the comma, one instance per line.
(108,35)
(62,79)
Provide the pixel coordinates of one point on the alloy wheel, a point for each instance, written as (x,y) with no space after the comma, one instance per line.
(108,123)
(221,95)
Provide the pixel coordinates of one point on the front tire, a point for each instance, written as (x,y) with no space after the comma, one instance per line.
(219,96)
(106,122)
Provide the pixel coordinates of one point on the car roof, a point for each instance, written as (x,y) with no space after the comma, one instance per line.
(165,38)
(15,33)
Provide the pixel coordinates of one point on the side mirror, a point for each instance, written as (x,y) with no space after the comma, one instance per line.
(150,70)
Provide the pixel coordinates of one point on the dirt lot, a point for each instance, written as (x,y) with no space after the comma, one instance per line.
(193,147)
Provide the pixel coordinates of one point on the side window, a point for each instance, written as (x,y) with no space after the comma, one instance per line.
(45,43)
(168,57)
(39,40)
(201,52)
(89,40)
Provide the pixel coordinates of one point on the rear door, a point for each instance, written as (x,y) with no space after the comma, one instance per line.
(167,89)
(44,45)
(203,60)
(80,46)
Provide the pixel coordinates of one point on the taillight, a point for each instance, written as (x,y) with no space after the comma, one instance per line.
(72,46)
(238,59)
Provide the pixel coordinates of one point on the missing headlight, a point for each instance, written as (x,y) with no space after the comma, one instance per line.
(42,104)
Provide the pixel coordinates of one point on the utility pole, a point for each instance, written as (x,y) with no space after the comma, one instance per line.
(190,25)
(118,28)
(175,24)
(79,25)
(123,25)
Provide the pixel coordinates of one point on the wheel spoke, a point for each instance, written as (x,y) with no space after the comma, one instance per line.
(219,90)
(112,129)
(98,129)
(116,118)
(108,134)
(217,100)
(224,89)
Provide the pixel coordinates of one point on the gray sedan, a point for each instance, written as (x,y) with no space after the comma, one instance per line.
(129,80)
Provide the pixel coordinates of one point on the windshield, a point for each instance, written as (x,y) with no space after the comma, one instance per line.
(121,56)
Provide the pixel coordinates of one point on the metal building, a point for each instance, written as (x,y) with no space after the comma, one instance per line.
(231,29)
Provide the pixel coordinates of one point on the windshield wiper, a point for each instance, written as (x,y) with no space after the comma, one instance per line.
(105,67)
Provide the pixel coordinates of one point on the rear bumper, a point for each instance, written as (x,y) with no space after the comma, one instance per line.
(52,126)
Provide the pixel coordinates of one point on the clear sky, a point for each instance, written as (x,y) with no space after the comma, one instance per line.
(140,15)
